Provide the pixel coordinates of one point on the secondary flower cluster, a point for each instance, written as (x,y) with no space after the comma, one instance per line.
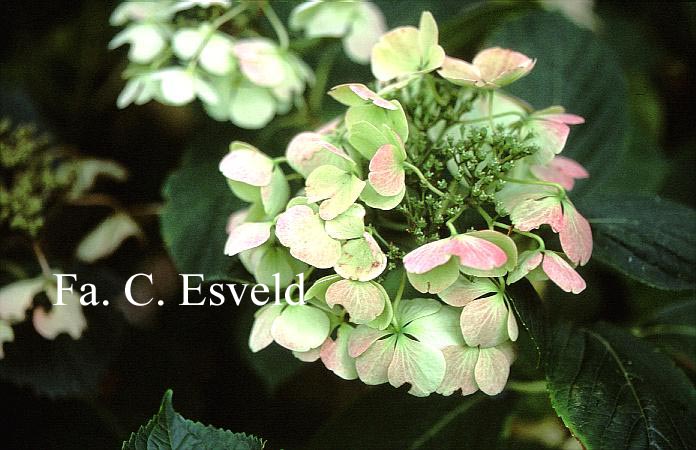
(36,179)
(176,57)
(405,296)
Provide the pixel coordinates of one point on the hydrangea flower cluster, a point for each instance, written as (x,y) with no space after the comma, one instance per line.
(416,209)
(185,50)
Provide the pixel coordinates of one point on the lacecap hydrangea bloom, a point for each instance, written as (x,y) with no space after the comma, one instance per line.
(410,216)
(180,51)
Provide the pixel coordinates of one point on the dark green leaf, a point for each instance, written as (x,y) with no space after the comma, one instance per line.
(528,309)
(647,238)
(193,223)
(386,418)
(615,391)
(576,70)
(612,390)
(674,329)
(169,430)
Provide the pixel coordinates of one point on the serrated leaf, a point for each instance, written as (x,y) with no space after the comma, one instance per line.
(169,430)
(614,391)
(647,238)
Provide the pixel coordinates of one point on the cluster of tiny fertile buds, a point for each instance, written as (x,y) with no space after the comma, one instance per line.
(457,333)
(247,79)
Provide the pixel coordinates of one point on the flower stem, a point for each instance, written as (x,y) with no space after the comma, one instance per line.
(539,240)
(217,23)
(527,387)
(277,25)
(420,175)
(397,299)
(450,222)
(489,220)
(494,116)
(491,93)
(41,258)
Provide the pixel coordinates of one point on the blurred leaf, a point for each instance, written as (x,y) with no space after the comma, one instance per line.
(615,391)
(462,34)
(386,418)
(194,220)
(169,430)
(647,238)
(673,328)
(580,73)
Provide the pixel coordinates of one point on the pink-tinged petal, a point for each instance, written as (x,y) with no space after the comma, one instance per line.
(386,172)
(484,322)
(363,92)
(528,261)
(260,336)
(460,363)
(302,231)
(492,370)
(362,338)
(353,94)
(500,66)
(334,354)
(236,219)
(461,72)
(373,365)
(68,318)
(561,170)
(247,236)
(570,167)
(575,235)
(570,119)
(329,127)
(531,214)
(247,164)
(552,175)
(427,257)
(550,136)
(561,273)
(364,301)
(464,291)
(308,150)
(475,252)
(259,61)
(420,365)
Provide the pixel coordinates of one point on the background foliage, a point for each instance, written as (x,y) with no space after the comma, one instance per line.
(633,80)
